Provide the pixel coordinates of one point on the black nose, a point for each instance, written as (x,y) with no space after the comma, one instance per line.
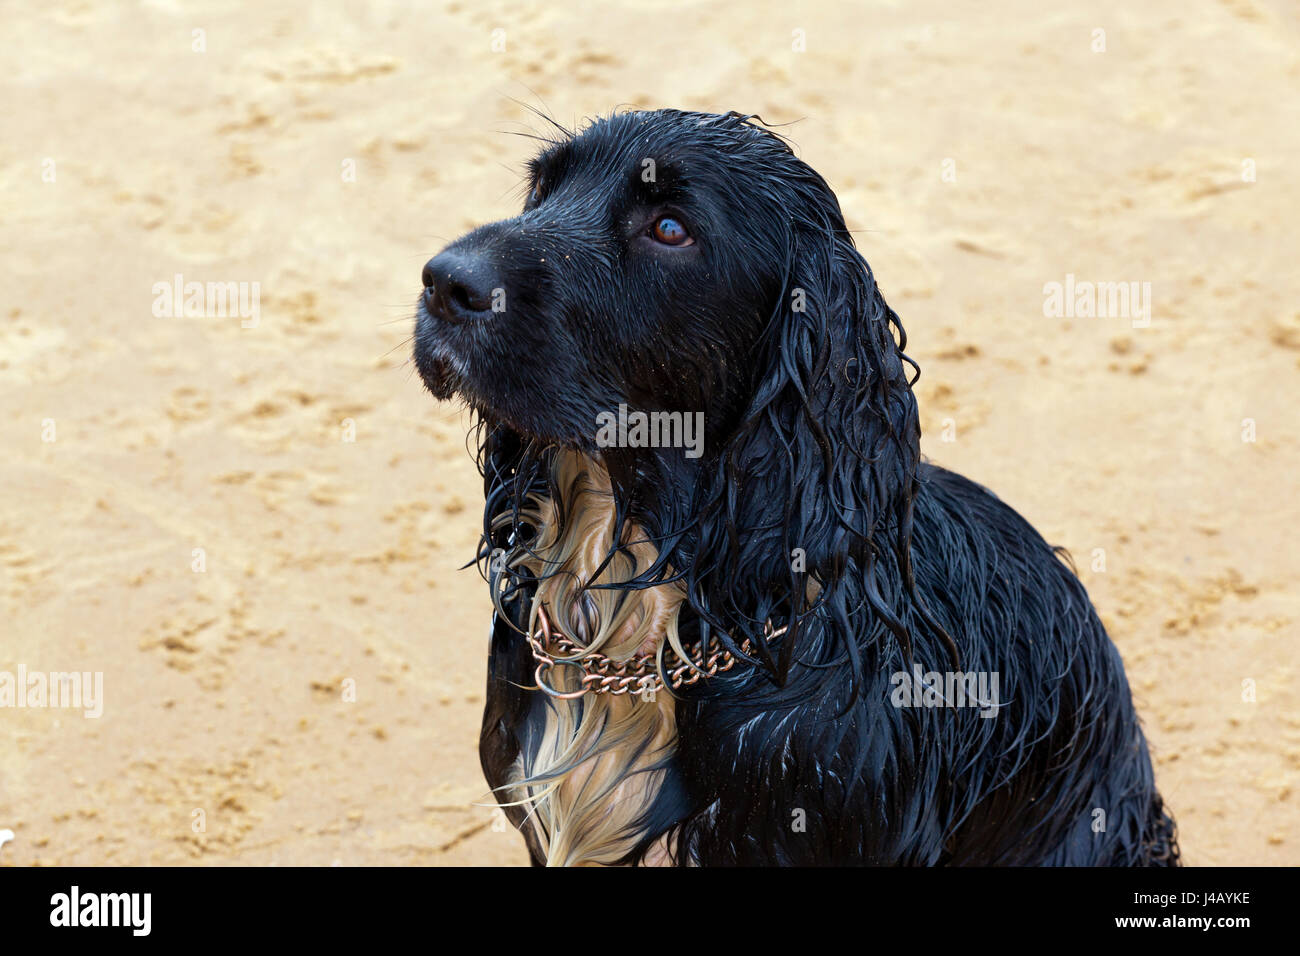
(460,286)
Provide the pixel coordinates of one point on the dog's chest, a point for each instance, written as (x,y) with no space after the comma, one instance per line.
(590,771)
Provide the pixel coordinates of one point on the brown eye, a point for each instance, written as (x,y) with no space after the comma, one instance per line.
(671,232)
(535,196)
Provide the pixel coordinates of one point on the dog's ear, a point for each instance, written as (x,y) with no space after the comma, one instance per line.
(811,524)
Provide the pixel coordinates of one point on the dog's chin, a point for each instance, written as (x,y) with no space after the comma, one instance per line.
(448,377)
(439,378)
(521,417)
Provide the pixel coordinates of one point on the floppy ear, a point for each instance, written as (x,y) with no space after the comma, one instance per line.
(810,525)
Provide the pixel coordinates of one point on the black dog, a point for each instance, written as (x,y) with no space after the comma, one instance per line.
(785,639)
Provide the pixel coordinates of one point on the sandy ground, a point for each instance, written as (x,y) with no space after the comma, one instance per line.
(981,152)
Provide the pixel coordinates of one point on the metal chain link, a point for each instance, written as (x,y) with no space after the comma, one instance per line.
(604,675)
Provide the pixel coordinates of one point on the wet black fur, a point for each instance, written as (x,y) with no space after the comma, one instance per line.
(773,325)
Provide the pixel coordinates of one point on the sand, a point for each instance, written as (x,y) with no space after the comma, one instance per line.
(292,662)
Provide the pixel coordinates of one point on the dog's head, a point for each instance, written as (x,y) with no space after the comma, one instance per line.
(670,261)
(652,253)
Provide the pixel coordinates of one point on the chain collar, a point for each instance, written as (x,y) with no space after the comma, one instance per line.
(638,674)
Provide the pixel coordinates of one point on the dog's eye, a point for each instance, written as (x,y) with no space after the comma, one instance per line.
(535,196)
(670,231)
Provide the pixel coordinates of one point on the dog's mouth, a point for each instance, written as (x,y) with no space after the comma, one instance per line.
(471,362)
(445,358)
(441,361)
(437,367)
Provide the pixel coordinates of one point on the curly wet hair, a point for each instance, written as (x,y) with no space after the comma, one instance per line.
(669,261)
